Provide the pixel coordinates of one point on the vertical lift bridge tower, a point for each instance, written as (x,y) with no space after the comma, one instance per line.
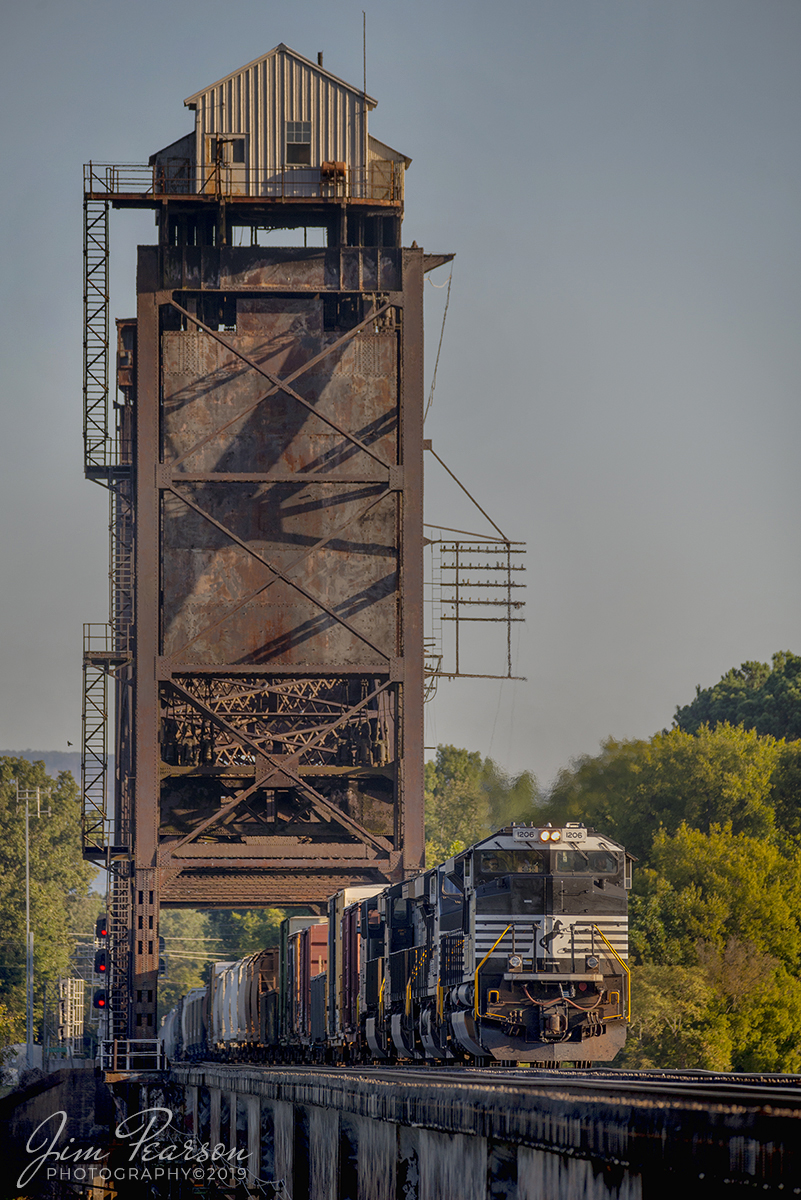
(265,469)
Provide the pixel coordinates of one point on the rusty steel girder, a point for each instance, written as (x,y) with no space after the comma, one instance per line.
(274,707)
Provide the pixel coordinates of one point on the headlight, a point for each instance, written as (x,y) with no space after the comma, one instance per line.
(555,835)
(591,963)
(545,835)
(515,962)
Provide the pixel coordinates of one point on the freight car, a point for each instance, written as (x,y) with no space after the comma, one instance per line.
(513,950)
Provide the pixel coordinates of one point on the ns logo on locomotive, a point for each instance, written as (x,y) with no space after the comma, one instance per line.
(514,950)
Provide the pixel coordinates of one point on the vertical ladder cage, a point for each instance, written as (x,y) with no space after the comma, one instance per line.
(121,559)
(95,337)
(119,915)
(95,825)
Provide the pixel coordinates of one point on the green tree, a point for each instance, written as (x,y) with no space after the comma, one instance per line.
(786,788)
(12,1032)
(241,931)
(632,789)
(457,807)
(509,797)
(716,950)
(59,878)
(713,887)
(674,1021)
(189,946)
(468,797)
(82,912)
(754,695)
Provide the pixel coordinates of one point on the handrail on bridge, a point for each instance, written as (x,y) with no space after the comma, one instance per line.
(380,180)
(133,1054)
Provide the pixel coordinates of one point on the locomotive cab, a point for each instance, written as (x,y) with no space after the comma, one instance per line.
(545,975)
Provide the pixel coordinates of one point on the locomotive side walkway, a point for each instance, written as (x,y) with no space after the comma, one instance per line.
(519,1134)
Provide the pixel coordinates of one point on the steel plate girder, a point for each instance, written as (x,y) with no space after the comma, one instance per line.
(277,572)
(283,385)
(282,876)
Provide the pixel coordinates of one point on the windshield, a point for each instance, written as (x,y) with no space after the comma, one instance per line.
(491,863)
(586,862)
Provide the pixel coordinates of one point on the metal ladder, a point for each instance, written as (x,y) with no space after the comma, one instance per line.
(121,564)
(94,742)
(95,337)
(119,948)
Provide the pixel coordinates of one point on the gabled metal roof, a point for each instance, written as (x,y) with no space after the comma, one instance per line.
(281,48)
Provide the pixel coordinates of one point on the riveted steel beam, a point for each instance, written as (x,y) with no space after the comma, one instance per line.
(283,385)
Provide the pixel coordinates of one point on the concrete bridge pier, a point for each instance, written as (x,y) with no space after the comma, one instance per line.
(303,1141)
(365,1134)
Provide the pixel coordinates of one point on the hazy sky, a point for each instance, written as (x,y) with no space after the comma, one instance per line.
(619,380)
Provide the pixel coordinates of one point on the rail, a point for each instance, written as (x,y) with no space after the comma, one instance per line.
(381,180)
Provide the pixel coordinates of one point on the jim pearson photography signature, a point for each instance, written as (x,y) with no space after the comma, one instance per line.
(145,1131)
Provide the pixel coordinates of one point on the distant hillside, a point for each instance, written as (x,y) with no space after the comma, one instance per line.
(55,760)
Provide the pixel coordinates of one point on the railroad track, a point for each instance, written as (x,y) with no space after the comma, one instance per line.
(754,1089)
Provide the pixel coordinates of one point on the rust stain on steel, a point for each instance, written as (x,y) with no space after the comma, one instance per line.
(205,574)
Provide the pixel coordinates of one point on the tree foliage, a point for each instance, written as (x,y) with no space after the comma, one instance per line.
(243,931)
(674,1023)
(59,879)
(468,797)
(633,789)
(193,939)
(754,695)
(716,942)
(188,949)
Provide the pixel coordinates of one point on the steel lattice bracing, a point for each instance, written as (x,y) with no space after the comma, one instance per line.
(94,745)
(271,721)
(95,336)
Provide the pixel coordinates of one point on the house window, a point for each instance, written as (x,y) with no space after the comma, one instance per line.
(230,149)
(298,143)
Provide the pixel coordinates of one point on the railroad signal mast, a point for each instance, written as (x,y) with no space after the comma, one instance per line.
(264,464)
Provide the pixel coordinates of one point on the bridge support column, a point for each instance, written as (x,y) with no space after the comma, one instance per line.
(541,1174)
(451,1165)
(377,1159)
(215,1097)
(191,1112)
(253,1147)
(323,1141)
(203,1125)
(284,1136)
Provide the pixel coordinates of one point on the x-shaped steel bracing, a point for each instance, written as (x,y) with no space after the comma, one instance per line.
(284,386)
(284,767)
(279,767)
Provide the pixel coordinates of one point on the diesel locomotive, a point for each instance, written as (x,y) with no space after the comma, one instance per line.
(513,950)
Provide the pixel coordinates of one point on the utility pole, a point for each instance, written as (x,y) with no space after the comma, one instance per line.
(26,794)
